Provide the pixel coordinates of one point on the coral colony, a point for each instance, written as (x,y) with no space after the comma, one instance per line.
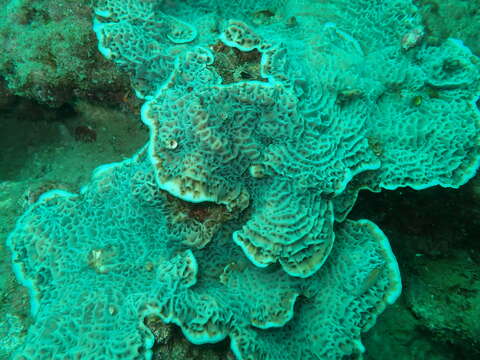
(266,119)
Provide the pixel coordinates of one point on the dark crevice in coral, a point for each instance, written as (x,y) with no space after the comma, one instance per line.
(171,344)
(234,65)
(200,212)
(430,222)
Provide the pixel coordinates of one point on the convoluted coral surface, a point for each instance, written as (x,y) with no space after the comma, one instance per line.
(115,255)
(265,121)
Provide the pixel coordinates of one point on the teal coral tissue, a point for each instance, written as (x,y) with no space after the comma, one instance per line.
(266,119)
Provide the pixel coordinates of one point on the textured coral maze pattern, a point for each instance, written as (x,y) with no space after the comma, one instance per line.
(266,119)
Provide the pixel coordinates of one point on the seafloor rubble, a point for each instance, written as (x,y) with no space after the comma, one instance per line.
(433,233)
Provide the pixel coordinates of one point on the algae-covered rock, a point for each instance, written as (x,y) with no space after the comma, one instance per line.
(445,294)
(48,53)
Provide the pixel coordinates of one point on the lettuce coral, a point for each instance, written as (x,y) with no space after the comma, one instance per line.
(97,263)
(231,221)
